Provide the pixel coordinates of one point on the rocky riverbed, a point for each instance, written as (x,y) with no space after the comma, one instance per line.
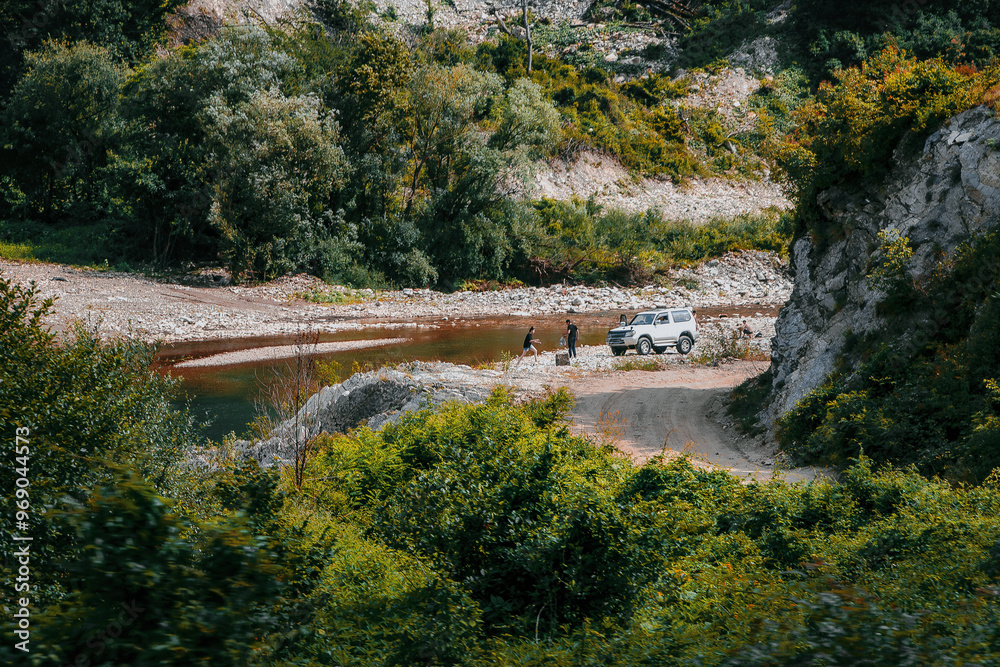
(152,309)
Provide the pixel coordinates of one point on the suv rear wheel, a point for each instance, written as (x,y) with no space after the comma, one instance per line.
(684,344)
(644,346)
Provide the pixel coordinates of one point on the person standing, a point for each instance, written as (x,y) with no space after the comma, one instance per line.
(528,345)
(571,334)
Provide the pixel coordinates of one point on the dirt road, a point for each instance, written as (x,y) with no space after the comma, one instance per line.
(675,411)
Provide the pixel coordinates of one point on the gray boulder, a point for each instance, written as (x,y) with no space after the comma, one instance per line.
(371,399)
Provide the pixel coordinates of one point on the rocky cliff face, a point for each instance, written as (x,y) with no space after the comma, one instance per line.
(949,193)
(208,15)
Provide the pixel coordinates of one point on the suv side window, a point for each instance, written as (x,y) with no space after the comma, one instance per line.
(681,316)
(663,319)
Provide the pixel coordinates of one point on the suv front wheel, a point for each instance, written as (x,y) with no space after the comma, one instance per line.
(644,346)
(684,344)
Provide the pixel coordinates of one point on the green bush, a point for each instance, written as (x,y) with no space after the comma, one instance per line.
(581,241)
(84,402)
(60,126)
(630,122)
(128,30)
(482,534)
(853,128)
(268,202)
(844,35)
(150,588)
(487,534)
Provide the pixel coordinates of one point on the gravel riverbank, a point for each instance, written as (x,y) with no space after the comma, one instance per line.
(150,309)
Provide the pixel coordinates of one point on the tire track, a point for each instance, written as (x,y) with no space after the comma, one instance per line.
(670,412)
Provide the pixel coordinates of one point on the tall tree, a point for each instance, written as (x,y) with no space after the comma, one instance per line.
(128,29)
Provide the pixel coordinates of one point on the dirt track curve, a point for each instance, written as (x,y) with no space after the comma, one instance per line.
(675,411)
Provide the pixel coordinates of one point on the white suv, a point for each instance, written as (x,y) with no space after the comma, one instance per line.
(655,331)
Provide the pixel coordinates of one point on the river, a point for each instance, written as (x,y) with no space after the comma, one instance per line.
(224,397)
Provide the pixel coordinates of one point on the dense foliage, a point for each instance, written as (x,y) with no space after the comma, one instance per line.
(852,129)
(336,149)
(845,34)
(101,447)
(83,402)
(129,30)
(467,535)
(825,37)
(583,240)
(481,535)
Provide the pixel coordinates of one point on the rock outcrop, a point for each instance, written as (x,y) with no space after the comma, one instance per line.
(200,17)
(938,201)
(371,399)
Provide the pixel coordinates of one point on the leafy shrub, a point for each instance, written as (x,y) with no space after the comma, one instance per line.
(655,89)
(268,201)
(846,626)
(845,35)
(596,112)
(344,18)
(129,31)
(147,588)
(504,501)
(84,402)
(580,240)
(60,124)
(717,344)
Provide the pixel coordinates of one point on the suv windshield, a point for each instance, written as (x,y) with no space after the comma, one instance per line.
(642,318)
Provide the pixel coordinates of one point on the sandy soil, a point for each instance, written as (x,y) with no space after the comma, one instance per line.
(680,410)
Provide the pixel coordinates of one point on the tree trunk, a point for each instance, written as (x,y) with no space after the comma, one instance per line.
(527,31)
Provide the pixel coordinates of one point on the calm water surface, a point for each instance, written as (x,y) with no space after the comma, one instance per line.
(224,396)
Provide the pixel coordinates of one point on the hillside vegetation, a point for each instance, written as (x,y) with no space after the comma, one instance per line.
(335,148)
(473,535)
(922,390)
(484,534)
